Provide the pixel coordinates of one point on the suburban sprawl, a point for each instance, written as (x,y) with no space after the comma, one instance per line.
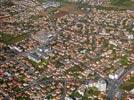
(67,50)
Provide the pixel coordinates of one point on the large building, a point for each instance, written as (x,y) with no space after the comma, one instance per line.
(100,85)
(117,74)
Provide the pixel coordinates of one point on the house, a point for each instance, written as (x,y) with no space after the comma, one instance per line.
(113,42)
(132,91)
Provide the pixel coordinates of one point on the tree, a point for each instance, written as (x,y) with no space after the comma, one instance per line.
(91,91)
(124,60)
(1,81)
(75,94)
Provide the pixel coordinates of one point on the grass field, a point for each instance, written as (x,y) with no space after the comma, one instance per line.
(123,3)
(11,39)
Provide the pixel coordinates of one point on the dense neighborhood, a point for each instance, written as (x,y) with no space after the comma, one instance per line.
(66,50)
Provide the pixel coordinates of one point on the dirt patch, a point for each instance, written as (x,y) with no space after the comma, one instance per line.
(60,14)
(70,8)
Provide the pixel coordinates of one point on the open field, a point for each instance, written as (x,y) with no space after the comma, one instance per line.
(123,3)
(11,39)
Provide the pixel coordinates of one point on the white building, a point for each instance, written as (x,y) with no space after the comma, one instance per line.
(43,49)
(116,74)
(130,37)
(91,2)
(132,91)
(16,48)
(113,42)
(100,85)
(111,76)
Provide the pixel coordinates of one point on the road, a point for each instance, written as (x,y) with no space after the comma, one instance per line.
(113,85)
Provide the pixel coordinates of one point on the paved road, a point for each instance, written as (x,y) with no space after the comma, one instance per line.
(113,85)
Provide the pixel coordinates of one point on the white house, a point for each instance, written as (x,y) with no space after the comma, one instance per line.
(130,37)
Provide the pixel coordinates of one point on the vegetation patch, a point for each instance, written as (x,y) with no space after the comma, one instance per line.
(89,92)
(123,3)
(39,66)
(11,39)
(128,85)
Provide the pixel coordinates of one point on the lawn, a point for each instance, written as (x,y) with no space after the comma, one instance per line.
(117,5)
(123,3)
(5,38)
(11,39)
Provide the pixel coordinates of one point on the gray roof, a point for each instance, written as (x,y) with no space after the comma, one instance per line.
(35,56)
